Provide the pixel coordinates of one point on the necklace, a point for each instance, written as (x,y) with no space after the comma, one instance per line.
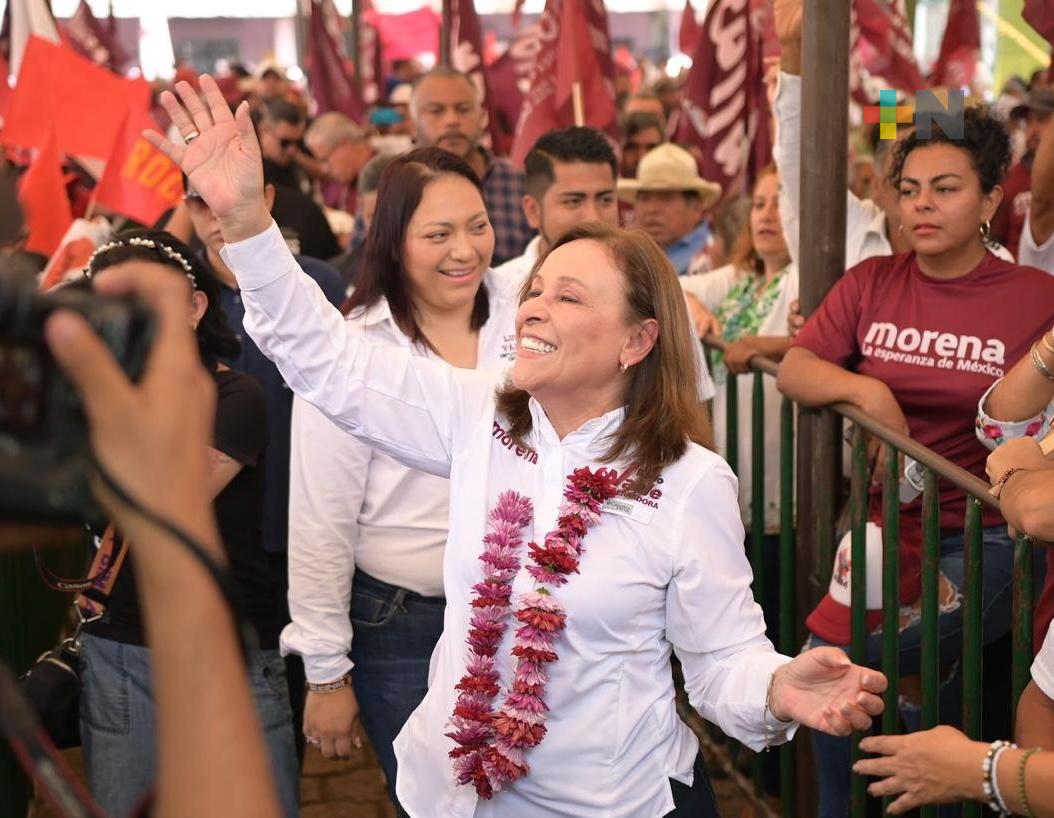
(492,743)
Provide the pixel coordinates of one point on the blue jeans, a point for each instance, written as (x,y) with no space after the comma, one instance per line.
(831,752)
(117,723)
(395,632)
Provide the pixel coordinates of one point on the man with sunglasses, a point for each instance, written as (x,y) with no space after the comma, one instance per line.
(281,129)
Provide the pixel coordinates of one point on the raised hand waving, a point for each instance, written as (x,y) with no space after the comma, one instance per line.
(220,156)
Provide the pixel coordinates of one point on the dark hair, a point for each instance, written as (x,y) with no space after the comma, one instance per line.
(216,339)
(568,145)
(278,110)
(984,138)
(383,274)
(269,73)
(663,411)
(632,124)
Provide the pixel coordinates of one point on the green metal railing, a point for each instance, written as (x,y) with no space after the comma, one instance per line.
(791,628)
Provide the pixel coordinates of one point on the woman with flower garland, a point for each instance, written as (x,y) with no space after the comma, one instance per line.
(590,532)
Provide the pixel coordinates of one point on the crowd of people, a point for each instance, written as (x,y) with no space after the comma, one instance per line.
(466,454)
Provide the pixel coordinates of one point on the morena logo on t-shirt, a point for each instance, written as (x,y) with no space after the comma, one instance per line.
(931,348)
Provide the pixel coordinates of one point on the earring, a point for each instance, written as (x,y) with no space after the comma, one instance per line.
(985,229)
(623,366)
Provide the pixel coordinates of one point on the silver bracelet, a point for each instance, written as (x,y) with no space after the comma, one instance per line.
(995,802)
(1037,362)
(1003,809)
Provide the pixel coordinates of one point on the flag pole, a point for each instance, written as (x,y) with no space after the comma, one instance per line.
(446,25)
(578,104)
(356,44)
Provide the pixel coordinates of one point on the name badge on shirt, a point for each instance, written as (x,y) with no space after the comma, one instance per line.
(622,507)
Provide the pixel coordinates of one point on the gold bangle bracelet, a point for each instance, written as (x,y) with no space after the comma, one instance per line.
(1021,781)
(1045,338)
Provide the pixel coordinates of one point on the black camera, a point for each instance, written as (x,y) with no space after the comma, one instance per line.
(45,459)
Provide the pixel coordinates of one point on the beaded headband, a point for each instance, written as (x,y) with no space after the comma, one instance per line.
(150,244)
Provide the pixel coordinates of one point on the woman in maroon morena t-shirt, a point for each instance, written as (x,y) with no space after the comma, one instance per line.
(915,340)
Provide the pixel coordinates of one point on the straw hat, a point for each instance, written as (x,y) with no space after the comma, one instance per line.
(669,167)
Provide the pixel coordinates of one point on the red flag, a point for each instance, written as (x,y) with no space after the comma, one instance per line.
(466,55)
(720,109)
(91,39)
(890,53)
(327,78)
(84,103)
(959,47)
(139,181)
(75,250)
(1040,15)
(42,193)
(405,36)
(574,49)
(688,36)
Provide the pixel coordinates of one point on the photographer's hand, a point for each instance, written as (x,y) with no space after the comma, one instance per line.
(152,439)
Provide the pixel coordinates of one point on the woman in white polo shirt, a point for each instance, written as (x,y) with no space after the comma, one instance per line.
(365,530)
(590,534)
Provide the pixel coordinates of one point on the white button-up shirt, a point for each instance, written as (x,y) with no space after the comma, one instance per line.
(514,272)
(669,575)
(353,508)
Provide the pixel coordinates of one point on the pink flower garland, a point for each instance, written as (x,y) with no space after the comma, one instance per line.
(491,745)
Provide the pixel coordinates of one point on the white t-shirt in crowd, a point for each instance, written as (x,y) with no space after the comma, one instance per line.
(1032,254)
(1043,666)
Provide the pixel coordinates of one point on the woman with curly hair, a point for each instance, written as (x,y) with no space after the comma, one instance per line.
(914,340)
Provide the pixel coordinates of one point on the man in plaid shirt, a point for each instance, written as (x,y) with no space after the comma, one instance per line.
(447,114)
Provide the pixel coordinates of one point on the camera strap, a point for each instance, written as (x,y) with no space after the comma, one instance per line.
(101,575)
(58,786)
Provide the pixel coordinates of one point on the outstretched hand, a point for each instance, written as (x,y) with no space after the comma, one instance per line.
(220,156)
(822,689)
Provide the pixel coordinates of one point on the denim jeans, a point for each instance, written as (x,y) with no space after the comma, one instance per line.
(117,723)
(395,632)
(831,752)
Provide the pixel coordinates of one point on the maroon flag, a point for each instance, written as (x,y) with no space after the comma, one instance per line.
(1040,15)
(466,55)
(720,112)
(573,62)
(327,75)
(506,98)
(91,39)
(688,36)
(959,47)
(889,51)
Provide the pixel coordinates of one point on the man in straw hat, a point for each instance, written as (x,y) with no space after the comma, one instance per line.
(670,199)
